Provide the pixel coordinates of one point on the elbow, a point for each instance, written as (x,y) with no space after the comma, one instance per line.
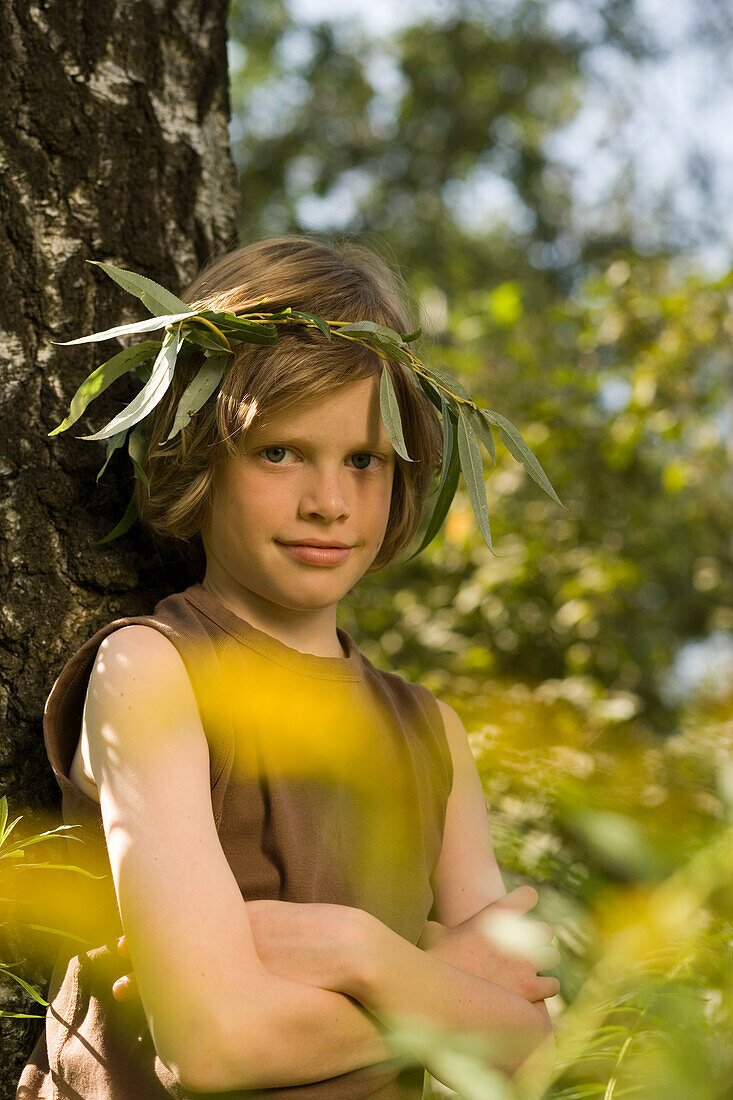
(227,1058)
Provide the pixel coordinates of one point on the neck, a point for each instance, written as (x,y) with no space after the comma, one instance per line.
(312,631)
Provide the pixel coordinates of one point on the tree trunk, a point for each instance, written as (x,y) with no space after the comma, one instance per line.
(115,148)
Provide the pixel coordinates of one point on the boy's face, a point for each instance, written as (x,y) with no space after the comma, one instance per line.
(322,472)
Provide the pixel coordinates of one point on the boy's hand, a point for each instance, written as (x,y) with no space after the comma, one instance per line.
(497,945)
(125,988)
(313,943)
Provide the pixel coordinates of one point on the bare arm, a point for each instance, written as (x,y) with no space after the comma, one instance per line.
(185,921)
(226,1022)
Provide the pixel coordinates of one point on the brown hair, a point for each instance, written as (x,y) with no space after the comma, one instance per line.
(345,282)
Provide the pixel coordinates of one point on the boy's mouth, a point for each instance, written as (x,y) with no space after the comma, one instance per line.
(315,553)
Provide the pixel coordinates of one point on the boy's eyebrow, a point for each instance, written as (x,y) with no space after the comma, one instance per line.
(256,438)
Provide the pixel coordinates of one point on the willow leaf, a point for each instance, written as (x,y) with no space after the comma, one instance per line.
(198,391)
(431,391)
(448,442)
(153,296)
(317,321)
(150,324)
(449,382)
(412,336)
(203,338)
(518,448)
(391,418)
(152,391)
(473,473)
(136,445)
(371,328)
(442,503)
(131,514)
(3,816)
(113,443)
(482,430)
(104,376)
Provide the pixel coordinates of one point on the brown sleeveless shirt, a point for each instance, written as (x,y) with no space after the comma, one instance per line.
(329,783)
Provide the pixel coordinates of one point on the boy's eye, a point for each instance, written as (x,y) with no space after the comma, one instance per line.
(362,459)
(281,450)
(360,456)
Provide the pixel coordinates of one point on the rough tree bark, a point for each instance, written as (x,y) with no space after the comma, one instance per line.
(114,148)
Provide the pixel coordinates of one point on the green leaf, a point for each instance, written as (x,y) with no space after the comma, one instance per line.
(204,338)
(473,473)
(448,442)
(376,336)
(149,325)
(153,296)
(3,816)
(449,382)
(102,377)
(28,988)
(413,336)
(145,369)
(518,448)
(356,328)
(152,391)
(7,831)
(390,410)
(131,514)
(198,391)
(136,445)
(430,391)
(247,331)
(113,443)
(317,321)
(442,503)
(482,429)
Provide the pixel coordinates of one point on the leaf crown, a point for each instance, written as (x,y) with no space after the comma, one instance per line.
(217,332)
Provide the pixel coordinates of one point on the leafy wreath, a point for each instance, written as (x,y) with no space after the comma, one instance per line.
(217,332)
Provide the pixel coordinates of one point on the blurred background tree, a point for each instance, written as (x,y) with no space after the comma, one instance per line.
(553,181)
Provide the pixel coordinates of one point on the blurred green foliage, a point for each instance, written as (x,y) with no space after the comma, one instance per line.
(608,789)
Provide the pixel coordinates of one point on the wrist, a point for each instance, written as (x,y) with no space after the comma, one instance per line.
(364,951)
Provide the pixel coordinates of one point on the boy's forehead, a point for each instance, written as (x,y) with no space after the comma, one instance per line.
(355,408)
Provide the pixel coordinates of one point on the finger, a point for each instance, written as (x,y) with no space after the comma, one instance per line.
(125,988)
(547,987)
(521,898)
(122,947)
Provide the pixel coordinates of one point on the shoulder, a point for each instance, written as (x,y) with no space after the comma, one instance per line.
(138,670)
(137,640)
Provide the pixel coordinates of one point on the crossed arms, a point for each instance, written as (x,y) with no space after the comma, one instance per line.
(221,1015)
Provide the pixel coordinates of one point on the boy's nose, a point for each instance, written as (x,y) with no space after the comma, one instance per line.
(325,498)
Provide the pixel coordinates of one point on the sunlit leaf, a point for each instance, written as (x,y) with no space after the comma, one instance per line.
(21,981)
(149,325)
(102,377)
(151,393)
(153,296)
